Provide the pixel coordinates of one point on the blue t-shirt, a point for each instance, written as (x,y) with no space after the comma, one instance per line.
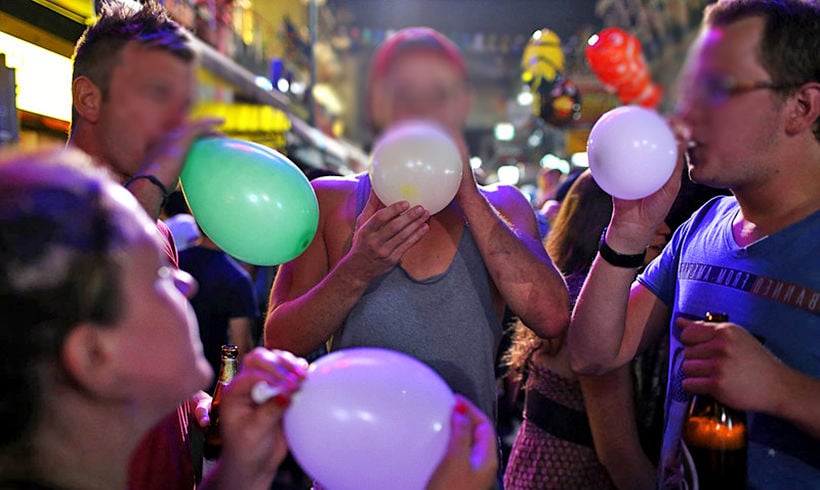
(225,291)
(771,288)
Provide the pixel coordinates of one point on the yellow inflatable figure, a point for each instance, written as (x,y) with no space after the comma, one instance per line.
(543,58)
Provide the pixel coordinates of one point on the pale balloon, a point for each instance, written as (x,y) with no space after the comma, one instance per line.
(370,418)
(632,152)
(418,162)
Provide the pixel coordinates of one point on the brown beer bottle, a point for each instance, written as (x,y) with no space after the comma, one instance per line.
(213,439)
(715,436)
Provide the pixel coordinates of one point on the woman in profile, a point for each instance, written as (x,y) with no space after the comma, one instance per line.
(564,443)
(98,341)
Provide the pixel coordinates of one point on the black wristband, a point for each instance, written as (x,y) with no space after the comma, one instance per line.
(619,259)
(152,179)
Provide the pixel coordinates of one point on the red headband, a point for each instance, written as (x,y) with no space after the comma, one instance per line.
(414,39)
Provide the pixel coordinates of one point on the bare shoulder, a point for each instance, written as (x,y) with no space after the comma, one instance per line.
(333,190)
(336,184)
(507,199)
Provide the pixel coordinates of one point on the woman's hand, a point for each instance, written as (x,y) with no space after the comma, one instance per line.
(471,460)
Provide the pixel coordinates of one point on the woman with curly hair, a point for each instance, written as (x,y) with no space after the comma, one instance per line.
(564,443)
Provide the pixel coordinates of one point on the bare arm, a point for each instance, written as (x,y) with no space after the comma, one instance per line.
(309,299)
(611,319)
(611,410)
(504,226)
(612,316)
(798,386)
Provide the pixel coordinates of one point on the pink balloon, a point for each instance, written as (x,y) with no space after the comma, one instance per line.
(370,418)
(631,151)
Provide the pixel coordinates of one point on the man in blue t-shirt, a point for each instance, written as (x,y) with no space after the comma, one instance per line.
(748,117)
(224,303)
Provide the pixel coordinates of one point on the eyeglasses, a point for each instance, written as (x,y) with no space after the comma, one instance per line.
(717,90)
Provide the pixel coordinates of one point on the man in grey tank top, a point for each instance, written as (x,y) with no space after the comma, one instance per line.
(395,277)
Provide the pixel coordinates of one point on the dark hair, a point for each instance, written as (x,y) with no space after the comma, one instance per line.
(58,240)
(572,244)
(98,49)
(790,43)
(573,240)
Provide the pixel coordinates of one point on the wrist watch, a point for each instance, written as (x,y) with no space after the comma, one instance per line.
(618,259)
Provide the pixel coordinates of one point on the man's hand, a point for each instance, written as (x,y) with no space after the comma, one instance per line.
(384,234)
(726,361)
(634,222)
(166,158)
(164,162)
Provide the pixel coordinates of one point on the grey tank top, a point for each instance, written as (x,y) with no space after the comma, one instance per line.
(446,321)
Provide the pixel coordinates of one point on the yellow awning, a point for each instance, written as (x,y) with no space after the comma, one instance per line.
(246,118)
(80,10)
(42,77)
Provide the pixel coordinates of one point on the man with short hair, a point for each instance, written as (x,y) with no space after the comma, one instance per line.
(391,276)
(132,88)
(749,108)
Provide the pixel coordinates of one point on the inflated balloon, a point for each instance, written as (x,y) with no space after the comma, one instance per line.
(629,92)
(252,201)
(607,53)
(616,58)
(543,58)
(417,162)
(370,418)
(650,97)
(631,151)
(560,105)
(646,95)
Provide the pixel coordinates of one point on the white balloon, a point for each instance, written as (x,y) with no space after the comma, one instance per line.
(632,152)
(370,418)
(417,162)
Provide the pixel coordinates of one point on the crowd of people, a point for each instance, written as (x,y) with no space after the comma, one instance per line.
(104,371)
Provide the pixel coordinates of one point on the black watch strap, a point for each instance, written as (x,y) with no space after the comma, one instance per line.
(619,259)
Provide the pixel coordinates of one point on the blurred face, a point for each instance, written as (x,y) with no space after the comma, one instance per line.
(423,85)
(157,347)
(150,92)
(735,129)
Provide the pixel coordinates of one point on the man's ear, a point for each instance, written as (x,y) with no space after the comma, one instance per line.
(88,360)
(805,108)
(86,98)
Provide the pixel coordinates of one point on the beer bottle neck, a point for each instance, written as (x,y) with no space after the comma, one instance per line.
(228,370)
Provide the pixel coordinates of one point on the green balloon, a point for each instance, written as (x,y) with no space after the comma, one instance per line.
(250,200)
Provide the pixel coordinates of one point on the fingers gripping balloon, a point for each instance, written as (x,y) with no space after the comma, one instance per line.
(418,162)
(631,151)
(370,418)
(250,200)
